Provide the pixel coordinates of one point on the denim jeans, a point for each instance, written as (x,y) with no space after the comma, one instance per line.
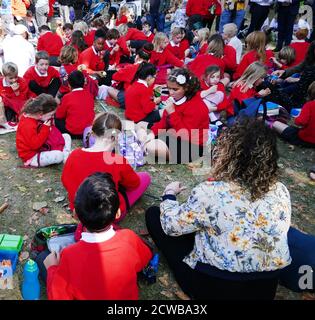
(228,17)
(156,20)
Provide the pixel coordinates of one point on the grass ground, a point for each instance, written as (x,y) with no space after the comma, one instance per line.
(21,188)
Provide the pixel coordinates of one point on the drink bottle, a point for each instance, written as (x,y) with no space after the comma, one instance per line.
(30,285)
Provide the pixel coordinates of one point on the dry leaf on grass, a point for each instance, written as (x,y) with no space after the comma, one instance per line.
(164,280)
(4,156)
(48,190)
(3,207)
(181,295)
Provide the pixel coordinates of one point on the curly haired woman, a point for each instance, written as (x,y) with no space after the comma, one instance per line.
(229,240)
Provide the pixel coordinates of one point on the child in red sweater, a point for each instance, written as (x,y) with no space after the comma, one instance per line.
(256,51)
(122,17)
(286,59)
(185,118)
(51,43)
(38,142)
(146,29)
(14,92)
(140,104)
(305,135)
(178,44)
(246,87)
(105,263)
(123,77)
(300,45)
(42,78)
(76,111)
(100,158)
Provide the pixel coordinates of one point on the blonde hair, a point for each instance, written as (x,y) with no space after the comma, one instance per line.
(10,69)
(253,72)
(124,10)
(230,30)
(82,26)
(216,46)
(158,39)
(288,54)
(257,41)
(203,34)
(176,31)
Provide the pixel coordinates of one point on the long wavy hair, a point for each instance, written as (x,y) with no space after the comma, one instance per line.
(257,41)
(247,155)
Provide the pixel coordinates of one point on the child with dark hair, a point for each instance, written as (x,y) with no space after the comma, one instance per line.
(146,29)
(111,47)
(114,257)
(77,41)
(42,78)
(140,104)
(33,133)
(76,111)
(305,135)
(186,119)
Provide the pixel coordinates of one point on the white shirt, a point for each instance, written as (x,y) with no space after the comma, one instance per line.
(236,43)
(98,237)
(18,50)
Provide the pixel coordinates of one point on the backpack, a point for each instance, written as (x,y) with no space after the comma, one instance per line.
(55,140)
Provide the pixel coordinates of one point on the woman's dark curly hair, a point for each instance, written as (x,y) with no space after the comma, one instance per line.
(247,155)
(191,85)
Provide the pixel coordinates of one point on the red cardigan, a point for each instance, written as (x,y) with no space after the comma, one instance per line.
(135,34)
(248,59)
(93,62)
(179,51)
(196,7)
(89,38)
(200,64)
(69,68)
(126,75)
(44,82)
(229,58)
(122,20)
(138,101)
(99,271)
(300,51)
(165,57)
(29,139)
(237,94)
(15,100)
(192,114)
(82,164)
(51,43)
(306,119)
(77,108)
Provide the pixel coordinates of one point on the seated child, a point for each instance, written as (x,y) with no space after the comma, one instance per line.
(133,37)
(140,104)
(286,59)
(76,111)
(305,135)
(105,263)
(300,45)
(14,90)
(146,29)
(100,158)
(5,125)
(42,78)
(38,142)
(230,37)
(178,45)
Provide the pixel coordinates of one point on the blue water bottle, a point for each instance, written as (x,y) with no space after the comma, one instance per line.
(63,76)
(30,285)
(151,270)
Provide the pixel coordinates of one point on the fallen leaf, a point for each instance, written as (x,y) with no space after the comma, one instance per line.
(43,211)
(152,169)
(59,199)
(3,207)
(181,295)
(164,280)
(22,189)
(40,181)
(167,294)
(38,205)
(24,255)
(12,229)
(4,156)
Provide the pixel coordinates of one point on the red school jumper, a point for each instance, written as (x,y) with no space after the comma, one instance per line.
(29,139)
(150,37)
(138,101)
(135,34)
(104,270)
(307,120)
(248,59)
(229,58)
(82,164)
(50,42)
(126,75)
(43,81)
(89,38)
(92,59)
(77,108)
(237,94)
(178,50)
(300,48)
(192,114)
(15,99)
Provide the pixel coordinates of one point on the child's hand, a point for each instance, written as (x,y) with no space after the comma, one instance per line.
(264,93)
(52,259)
(116,48)
(170,108)
(292,80)
(157,100)
(47,123)
(174,188)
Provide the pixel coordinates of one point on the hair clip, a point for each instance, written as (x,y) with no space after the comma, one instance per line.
(181,79)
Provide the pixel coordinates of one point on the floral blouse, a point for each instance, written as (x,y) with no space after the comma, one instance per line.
(232,232)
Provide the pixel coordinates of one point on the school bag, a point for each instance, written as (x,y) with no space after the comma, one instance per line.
(55,140)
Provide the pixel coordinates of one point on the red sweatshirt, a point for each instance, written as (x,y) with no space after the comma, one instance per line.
(200,64)
(29,139)
(92,60)
(300,51)
(192,114)
(15,99)
(77,108)
(126,75)
(89,38)
(178,50)
(150,37)
(138,101)
(237,94)
(203,49)
(135,34)
(51,43)
(165,57)
(224,104)
(99,271)
(229,58)
(82,164)
(123,20)
(114,56)
(69,68)
(197,7)
(306,119)
(248,59)
(43,81)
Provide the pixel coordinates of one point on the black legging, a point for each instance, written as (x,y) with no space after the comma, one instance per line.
(258,16)
(52,89)
(196,284)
